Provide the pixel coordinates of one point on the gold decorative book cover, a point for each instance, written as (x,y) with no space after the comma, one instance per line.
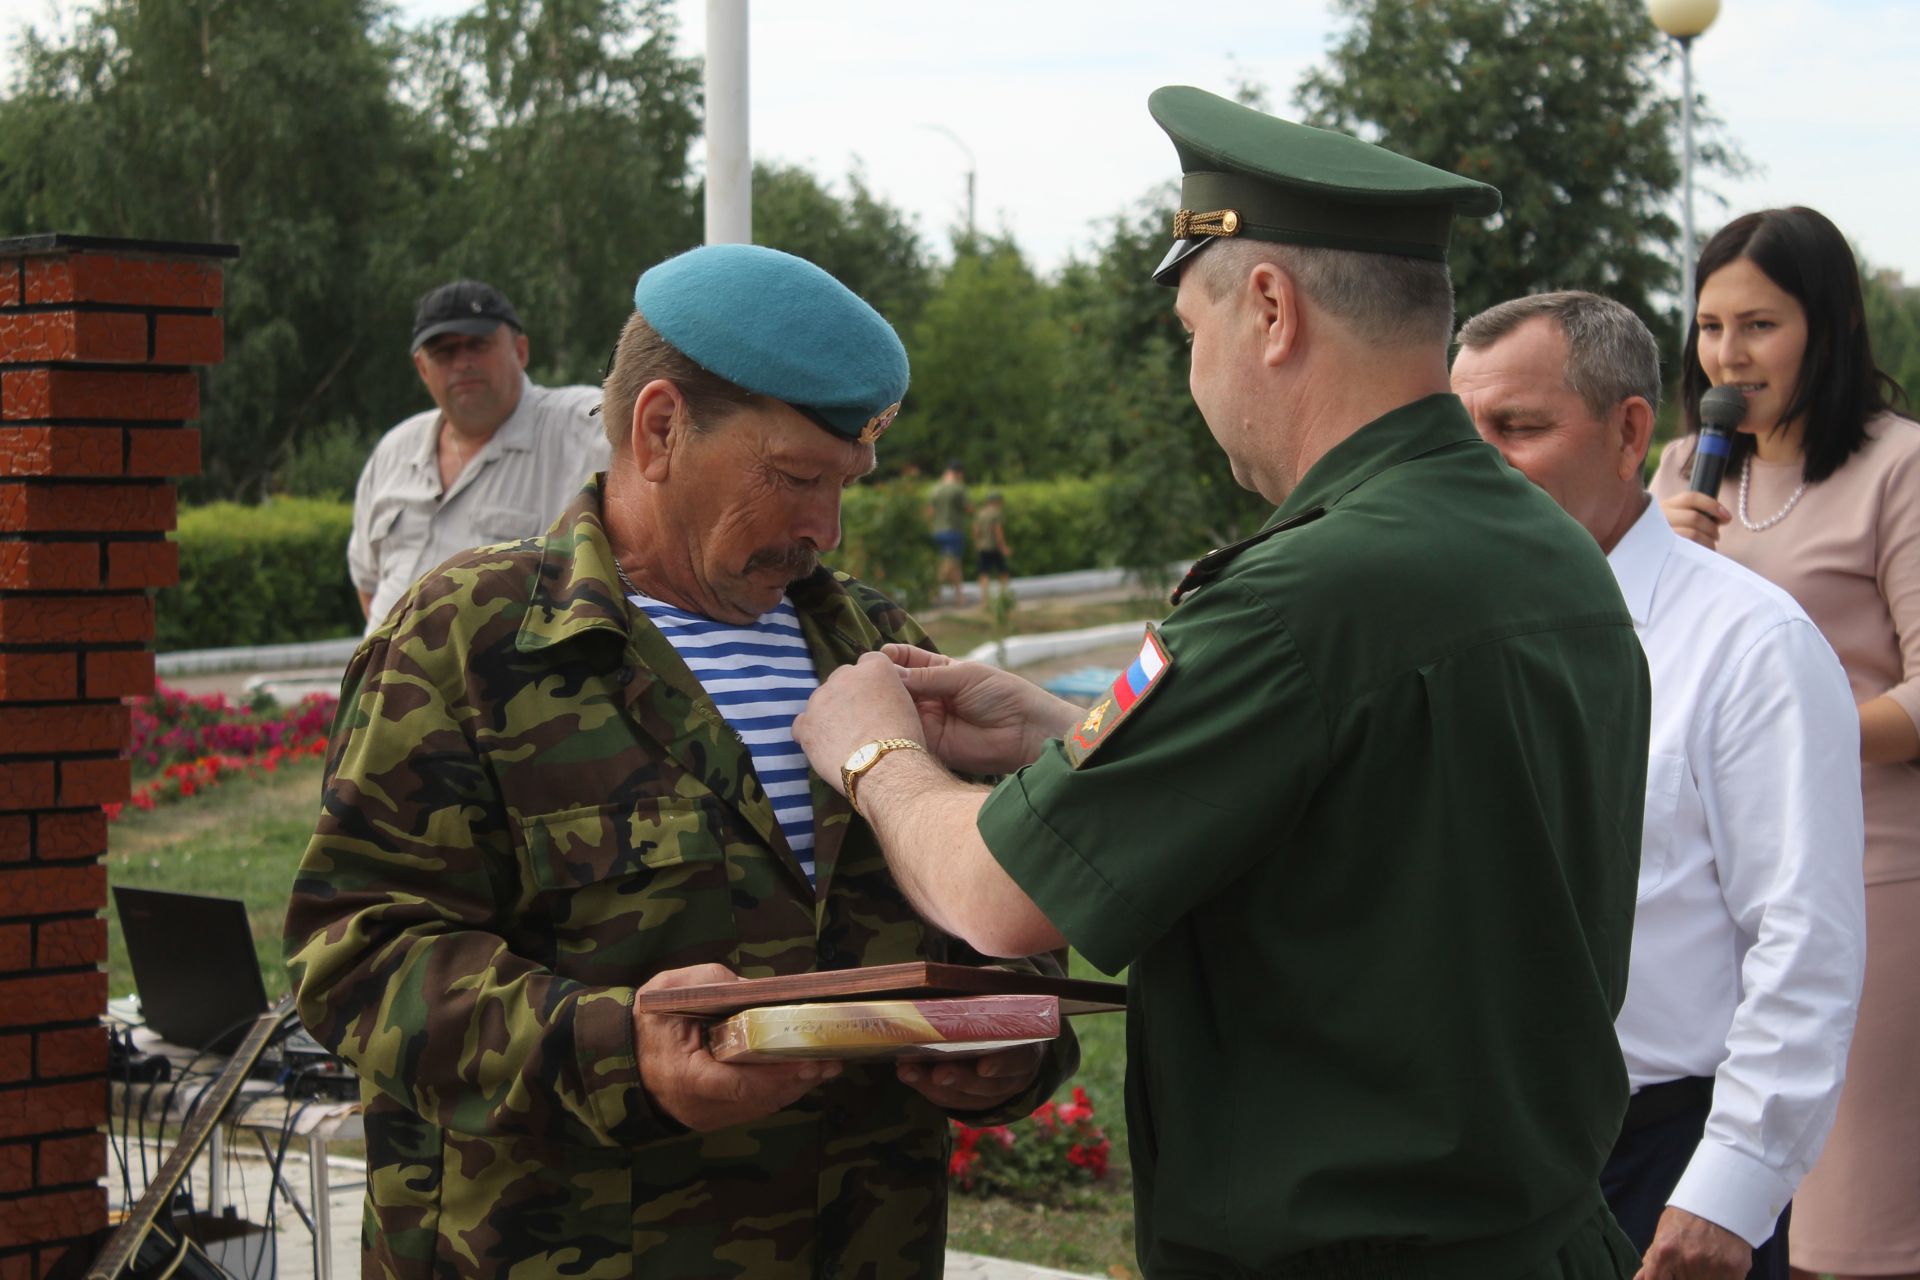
(952,1027)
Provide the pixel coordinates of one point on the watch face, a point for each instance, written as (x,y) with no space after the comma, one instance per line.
(864,756)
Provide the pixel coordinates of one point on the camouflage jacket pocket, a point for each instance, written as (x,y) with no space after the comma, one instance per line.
(573,848)
(614,893)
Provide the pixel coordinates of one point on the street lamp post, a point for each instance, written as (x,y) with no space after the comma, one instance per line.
(1683,20)
(729,150)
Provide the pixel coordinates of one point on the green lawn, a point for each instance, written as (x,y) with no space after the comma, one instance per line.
(1092,1231)
(241,840)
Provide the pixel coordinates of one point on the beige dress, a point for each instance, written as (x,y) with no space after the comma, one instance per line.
(1849,552)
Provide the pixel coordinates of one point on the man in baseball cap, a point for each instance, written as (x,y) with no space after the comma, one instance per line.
(494,460)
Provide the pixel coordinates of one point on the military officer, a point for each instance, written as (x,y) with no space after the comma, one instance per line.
(563,769)
(1362,817)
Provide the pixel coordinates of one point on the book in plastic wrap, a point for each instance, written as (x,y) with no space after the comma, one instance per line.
(949,1027)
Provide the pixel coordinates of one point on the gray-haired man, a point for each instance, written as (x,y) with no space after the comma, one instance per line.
(1748,928)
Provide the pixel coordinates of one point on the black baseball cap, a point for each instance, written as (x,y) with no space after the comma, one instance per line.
(465,306)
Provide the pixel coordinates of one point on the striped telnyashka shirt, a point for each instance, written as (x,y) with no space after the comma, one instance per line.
(760,675)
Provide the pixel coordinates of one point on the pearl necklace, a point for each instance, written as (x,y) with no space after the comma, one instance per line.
(1746,471)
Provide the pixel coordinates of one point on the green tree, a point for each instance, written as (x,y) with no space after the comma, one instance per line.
(862,241)
(565,126)
(1556,102)
(266,125)
(987,354)
(1124,403)
(1893,320)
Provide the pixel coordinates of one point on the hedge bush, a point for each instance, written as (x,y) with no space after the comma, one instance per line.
(271,574)
(277,574)
(1052,526)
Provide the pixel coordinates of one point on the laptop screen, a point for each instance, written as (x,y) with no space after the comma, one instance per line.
(194,964)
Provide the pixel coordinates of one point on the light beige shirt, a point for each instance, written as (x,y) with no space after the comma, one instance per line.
(1849,552)
(404,524)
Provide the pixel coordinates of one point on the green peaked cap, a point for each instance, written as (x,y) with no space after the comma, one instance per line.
(1258,177)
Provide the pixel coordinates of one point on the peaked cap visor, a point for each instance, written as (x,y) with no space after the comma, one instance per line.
(478,328)
(1168,272)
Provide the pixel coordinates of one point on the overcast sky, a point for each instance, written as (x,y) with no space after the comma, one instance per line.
(1049,96)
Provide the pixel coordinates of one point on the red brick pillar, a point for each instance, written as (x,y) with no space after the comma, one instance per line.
(97,340)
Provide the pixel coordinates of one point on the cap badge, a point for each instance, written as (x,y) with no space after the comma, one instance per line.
(475,306)
(879,422)
(1221,222)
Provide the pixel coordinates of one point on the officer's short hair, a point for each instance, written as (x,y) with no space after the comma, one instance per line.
(640,357)
(1611,355)
(1386,298)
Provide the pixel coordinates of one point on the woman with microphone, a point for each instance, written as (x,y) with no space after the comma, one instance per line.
(1821,495)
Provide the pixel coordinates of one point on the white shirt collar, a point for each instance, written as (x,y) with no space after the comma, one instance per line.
(1638,558)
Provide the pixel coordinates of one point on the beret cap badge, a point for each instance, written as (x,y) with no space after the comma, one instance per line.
(878,423)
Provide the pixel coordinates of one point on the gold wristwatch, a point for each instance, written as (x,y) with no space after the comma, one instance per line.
(865,757)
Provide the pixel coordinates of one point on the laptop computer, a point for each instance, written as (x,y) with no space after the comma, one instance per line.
(194,965)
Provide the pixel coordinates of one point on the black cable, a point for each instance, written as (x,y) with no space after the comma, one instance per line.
(124,1038)
(266,1150)
(287,1129)
(190,1071)
(276,1176)
(186,1118)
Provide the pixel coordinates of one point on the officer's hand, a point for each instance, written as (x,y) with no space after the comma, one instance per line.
(686,1082)
(977,718)
(977,1084)
(852,707)
(1696,517)
(1686,1247)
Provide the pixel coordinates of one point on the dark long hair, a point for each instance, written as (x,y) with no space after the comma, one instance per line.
(1839,388)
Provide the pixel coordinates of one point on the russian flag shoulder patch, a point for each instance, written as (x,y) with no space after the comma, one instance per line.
(1130,689)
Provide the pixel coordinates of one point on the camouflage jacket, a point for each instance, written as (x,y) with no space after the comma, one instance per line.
(530,808)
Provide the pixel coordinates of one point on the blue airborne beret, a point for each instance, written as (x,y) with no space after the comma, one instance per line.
(778,326)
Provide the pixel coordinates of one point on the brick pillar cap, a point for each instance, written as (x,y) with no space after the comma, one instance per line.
(57,241)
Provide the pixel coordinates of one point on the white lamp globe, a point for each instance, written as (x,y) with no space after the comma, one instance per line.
(1683,19)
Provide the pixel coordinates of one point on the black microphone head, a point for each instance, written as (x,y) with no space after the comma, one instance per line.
(1722,408)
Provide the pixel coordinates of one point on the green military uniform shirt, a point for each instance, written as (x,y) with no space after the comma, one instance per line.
(531,808)
(1369,842)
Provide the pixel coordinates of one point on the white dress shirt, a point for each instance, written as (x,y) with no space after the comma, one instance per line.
(1749,936)
(513,486)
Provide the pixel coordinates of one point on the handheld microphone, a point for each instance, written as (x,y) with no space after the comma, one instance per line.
(1721,410)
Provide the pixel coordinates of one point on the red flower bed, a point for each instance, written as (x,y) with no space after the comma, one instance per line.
(184,745)
(1057,1146)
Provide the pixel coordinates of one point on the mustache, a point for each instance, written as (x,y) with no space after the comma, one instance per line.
(796,560)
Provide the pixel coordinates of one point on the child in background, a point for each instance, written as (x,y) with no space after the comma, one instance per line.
(990,538)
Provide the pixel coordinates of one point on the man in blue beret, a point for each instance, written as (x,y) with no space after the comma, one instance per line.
(1362,818)
(564,771)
